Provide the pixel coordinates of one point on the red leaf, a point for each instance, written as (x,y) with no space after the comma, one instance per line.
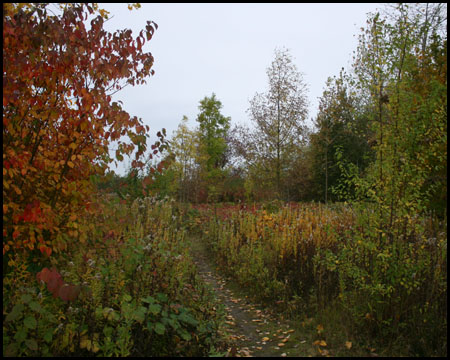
(48,251)
(68,292)
(54,283)
(43,275)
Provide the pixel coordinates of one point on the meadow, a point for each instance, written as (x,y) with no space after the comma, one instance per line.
(130,287)
(328,262)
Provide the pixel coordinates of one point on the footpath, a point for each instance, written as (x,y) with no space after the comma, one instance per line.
(253,331)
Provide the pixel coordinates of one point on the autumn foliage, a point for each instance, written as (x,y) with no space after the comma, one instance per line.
(57,286)
(59,75)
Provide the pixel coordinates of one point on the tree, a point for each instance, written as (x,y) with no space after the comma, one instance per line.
(278,116)
(59,118)
(402,65)
(400,212)
(213,129)
(184,144)
(340,125)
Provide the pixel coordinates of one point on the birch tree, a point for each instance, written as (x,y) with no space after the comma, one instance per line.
(278,116)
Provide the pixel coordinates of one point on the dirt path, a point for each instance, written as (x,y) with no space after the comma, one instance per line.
(254,331)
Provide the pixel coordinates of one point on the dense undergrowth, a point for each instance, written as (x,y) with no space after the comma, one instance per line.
(136,291)
(330,262)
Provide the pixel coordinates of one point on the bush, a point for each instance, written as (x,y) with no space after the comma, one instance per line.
(139,294)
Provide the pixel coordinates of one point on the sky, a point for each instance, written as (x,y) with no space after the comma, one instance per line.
(226,48)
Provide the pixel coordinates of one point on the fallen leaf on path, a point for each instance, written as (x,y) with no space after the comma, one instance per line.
(348,344)
(265,338)
(320,343)
(232,351)
(281,344)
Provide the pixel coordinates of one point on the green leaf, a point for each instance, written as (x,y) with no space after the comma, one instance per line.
(162,297)
(48,336)
(108,331)
(184,334)
(154,308)
(35,306)
(160,329)
(15,312)
(21,335)
(149,300)
(127,298)
(174,323)
(139,315)
(31,344)
(188,319)
(30,322)
(26,298)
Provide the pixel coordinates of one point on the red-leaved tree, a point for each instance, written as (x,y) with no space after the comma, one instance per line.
(59,72)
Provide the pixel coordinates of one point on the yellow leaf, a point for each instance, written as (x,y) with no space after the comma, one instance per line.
(320,343)
(319,328)
(265,339)
(348,344)
(71,164)
(73,157)
(85,344)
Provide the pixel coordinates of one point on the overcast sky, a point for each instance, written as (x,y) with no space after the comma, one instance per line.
(226,48)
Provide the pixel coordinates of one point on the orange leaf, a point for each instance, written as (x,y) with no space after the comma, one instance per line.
(320,343)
